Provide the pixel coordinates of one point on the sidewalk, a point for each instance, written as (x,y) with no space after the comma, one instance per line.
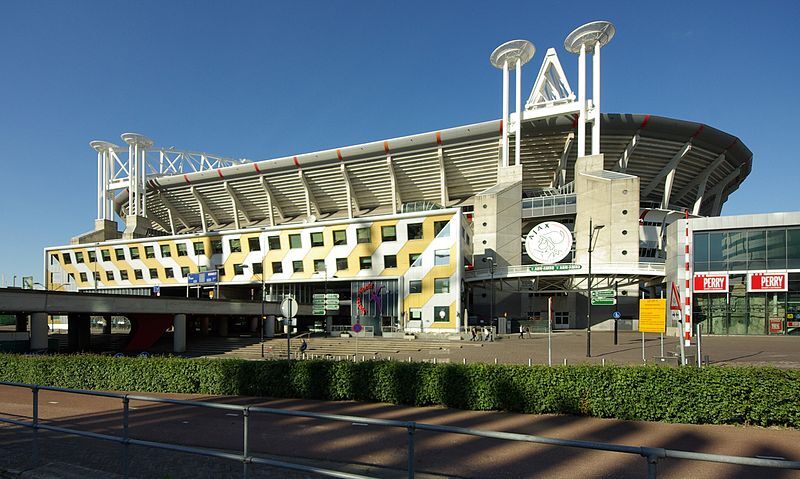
(366,448)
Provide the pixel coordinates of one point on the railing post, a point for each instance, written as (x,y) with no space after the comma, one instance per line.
(246,445)
(411,428)
(652,464)
(35,390)
(125,435)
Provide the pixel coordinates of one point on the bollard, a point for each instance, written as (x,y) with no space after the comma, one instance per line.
(409,359)
(434,360)
(565,361)
(464,361)
(125,421)
(362,358)
(603,361)
(411,428)
(35,391)
(246,444)
(530,362)
(495,360)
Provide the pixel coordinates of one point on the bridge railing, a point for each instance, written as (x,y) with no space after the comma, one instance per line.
(650,454)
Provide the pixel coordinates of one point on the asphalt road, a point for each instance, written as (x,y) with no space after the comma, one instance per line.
(373,450)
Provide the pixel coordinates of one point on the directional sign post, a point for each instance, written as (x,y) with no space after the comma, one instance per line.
(603,297)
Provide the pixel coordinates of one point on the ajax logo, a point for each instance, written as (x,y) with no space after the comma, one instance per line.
(548,242)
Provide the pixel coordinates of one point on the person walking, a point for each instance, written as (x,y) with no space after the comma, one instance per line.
(473,335)
(521,331)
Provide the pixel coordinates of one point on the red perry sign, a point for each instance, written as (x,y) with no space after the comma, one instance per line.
(710,283)
(767,282)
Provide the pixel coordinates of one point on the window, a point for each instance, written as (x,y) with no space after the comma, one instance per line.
(317,239)
(441,314)
(137,273)
(119,254)
(415,314)
(297,266)
(390,261)
(439,226)
(274,242)
(238,269)
(441,285)
(182,249)
(363,235)
(153,273)
(236,245)
(341,264)
(123,274)
(169,273)
(388,233)
(365,262)
(84,279)
(165,251)
(339,237)
(184,271)
(149,252)
(253,244)
(199,248)
(412,258)
(79,257)
(277,267)
(319,265)
(92,256)
(258,268)
(105,254)
(67,258)
(135,252)
(414,231)
(415,286)
(295,242)
(96,277)
(441,257)
(109,276)
(216,247)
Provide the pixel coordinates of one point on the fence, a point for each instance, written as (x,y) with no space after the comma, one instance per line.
(650,454)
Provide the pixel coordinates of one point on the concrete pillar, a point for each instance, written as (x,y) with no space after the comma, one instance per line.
(179,337)
(78,332)
(107,325)
(38,331)
(22,323)
(269,327)
(204,326)
(223,326)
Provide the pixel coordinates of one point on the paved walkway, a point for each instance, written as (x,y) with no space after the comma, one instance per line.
(370,450)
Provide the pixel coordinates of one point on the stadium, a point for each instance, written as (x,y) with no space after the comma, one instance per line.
(475,225)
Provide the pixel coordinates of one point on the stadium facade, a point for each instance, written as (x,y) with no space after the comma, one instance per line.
(432,232)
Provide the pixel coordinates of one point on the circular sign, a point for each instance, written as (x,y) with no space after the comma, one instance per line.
(357,328)
(548,242)
(616,315)
(289,307)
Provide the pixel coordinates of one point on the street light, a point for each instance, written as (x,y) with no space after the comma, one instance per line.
(491,297)
(592,240)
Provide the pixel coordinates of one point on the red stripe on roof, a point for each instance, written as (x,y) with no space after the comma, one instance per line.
(645,121)
(296,163)
(219,172)
(386,147)
(501,127)
(255,165)
(735,140)
(698,131)
(339,154)
(439,137)
(186,179)
(574,121)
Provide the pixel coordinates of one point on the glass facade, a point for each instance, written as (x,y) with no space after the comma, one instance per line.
(739,252)
(742,250)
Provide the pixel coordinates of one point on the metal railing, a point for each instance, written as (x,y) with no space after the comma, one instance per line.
(638,267)
(651,454)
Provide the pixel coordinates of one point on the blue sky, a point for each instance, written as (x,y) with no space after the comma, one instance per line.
(259,80)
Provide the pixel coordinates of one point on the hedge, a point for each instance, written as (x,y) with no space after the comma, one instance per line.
(712,395)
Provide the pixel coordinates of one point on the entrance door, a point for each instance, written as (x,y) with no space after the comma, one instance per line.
(560,319)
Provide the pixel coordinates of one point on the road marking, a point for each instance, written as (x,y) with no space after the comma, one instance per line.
(52,402)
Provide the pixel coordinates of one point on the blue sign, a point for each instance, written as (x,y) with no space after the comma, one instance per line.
(157,290)
(203,277)
(357,328)
(616,315)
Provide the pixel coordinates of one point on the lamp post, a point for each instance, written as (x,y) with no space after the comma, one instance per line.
(592,239)
(491,296)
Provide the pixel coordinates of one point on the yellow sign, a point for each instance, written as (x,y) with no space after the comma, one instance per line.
(652,315)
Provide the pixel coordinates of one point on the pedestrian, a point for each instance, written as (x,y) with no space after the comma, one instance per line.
(528,331)
(490,334)
(521,331)
(473,334)
(485,334)
(480,334)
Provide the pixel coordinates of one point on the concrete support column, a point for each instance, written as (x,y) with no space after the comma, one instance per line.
(179,337)
(78,332)
(223,326)
(22,323)
(107,325)
(38,331)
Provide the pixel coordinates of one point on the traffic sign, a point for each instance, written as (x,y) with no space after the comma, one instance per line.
(318,301)
(616,315)
(318,312)
(331,296)
(318,296)
(203,277)
(289,307)
(604,301)
(603,293)
(357,328)
(332,301)
(332,307)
